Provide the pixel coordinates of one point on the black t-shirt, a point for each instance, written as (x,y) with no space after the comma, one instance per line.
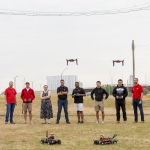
(62,89)
(78,99)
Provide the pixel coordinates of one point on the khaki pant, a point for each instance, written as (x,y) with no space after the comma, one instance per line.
(99,106)
(27,106)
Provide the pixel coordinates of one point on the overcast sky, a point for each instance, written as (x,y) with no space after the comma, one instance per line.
(34,47)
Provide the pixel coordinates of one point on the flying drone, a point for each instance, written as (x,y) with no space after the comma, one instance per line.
(72,60)
(118,61)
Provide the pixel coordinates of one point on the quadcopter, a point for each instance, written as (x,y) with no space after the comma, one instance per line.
(72,60)
(118,61)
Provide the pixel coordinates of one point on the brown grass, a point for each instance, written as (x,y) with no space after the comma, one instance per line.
(75,137)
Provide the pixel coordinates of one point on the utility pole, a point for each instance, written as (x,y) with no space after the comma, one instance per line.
(15,81)
(133,59)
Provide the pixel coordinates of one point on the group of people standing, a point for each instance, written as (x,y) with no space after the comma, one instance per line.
(98,94)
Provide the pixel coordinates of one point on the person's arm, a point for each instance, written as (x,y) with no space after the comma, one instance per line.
(66,92)
(32,95)
(125,92)
(49,94)
(42,98)
(83,93)
(58,92)
(73,94)
(114,92)
(106,94)
(132,95)
(92,94)
(15,97)
(22,96)
(141,90)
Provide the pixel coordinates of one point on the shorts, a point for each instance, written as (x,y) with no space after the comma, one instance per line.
(27,106)
(78,106)
(99,106)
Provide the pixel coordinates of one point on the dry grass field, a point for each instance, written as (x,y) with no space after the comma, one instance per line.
(131,136)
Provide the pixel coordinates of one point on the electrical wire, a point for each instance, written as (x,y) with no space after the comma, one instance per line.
(88,13)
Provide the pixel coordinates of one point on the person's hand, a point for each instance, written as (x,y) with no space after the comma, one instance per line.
(122,97)
(117,97)
(60,93)
(140,102)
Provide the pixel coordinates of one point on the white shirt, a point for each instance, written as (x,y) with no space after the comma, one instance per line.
(27,89)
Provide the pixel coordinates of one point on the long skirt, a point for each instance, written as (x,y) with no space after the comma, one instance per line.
(46,109)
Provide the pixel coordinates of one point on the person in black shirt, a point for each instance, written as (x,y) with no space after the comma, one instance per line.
(99,100)
(120,93)
(62,92)
(78,94)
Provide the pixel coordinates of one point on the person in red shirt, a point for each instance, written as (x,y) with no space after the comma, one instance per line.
(10,100)
(27,96)
(137,95)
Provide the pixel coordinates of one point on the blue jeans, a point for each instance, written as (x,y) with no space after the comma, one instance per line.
(9,111)
(64,104)
(135,105)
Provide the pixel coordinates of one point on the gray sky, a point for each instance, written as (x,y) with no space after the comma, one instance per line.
(35,47)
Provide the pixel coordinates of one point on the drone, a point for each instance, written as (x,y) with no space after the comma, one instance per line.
(118,61)
(72,60)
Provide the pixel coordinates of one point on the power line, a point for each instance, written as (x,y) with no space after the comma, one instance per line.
(146,46)
(89,13)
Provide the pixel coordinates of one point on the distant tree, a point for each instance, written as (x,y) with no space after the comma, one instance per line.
(108,88)
(146,91)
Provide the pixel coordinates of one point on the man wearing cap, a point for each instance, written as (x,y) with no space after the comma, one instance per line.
(27,96)
(10,100)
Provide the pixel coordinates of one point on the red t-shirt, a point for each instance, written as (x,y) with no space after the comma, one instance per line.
(137,90)
(27,94)
(10,95)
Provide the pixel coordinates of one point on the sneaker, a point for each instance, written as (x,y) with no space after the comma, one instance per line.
(68,122)
(103,122)
(78,122)
(82,122)
(57,122)
(12,123)
(24,122)
(97,122)
(135,121)
(6,122)
(117,121)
